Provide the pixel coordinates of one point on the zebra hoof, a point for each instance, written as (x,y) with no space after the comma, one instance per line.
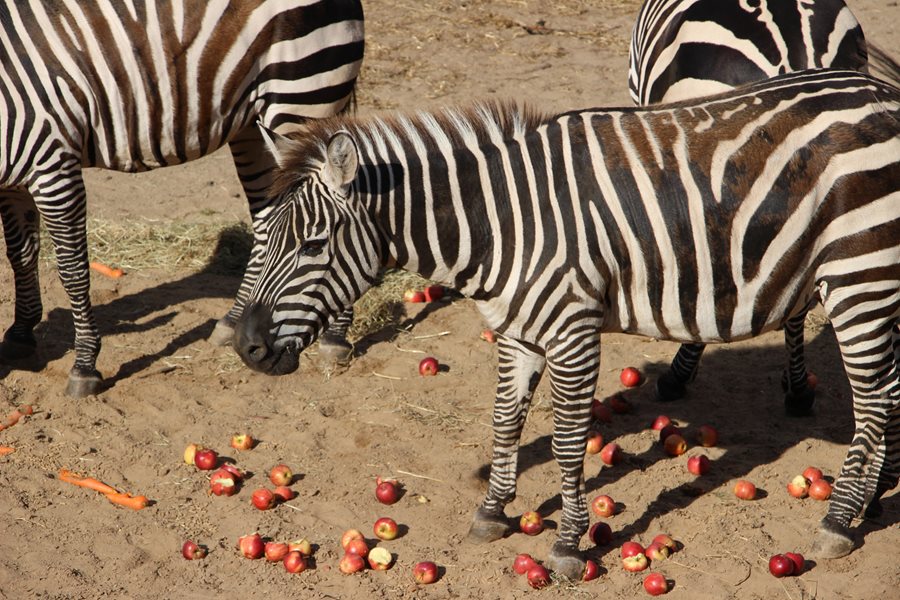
(566,561)
(488,527)
(799,404)
(832,541)
(83,384)
(335,351)
(668,388)
(222,333)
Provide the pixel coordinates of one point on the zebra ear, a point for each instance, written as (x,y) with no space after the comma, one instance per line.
(276,143)
(341,161)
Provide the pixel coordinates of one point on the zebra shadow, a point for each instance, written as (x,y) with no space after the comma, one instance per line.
(745,382)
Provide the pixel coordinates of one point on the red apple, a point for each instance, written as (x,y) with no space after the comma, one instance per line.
(668,430)
(413,296)
(820,490)
(538,577)
(386,528)
(522,563)
(351,563)
(611,454)
(222,483)
(812,474)
(425,572)
(591,570)
(489,336)
(675,445)
(433,293)
(630,377)
(600,412)
(380,559)
(531,523)
(660,422)
(630,549)
(281,475)
(351,534)
(811,380)
(190,452)
(251,546)
(192,551)
(235,472)
(798,487)
(358,547)
(707,436)
(780,565)
(206,459)
(242,441)
(664,539)
(294,562)
(655,584)
(798,560)
(600,533)
(745,490)
(302,546)
(603,506)
(263,499)
(619,404)
(386,492)
(594,442)
(276,551)
(284,493)
(698,465)
(656,551)
(428,366)
(635,563)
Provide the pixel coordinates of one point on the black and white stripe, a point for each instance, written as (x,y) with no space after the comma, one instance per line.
(707,222)
(140,84)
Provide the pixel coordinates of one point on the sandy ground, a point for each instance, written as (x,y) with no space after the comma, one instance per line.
(170,388)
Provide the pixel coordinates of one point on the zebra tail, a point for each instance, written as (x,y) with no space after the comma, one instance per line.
(883,65)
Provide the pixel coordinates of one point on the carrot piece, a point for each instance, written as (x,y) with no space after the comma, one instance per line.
(110,272)
(13,418)
(128,501)
(4,450)
(86,482)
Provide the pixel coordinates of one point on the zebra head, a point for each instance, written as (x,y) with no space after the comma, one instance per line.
(320,255)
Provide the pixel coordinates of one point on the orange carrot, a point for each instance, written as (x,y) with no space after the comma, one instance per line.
(86,482)
(129,501)
(13,418)
(110,272)
(4,450)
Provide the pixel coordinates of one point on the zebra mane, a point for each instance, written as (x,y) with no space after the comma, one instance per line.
(478,124)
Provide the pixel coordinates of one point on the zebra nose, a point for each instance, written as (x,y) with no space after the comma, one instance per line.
(252,337)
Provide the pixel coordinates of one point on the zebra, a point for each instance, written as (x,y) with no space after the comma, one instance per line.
(137,85)
(683,49)
(710,221)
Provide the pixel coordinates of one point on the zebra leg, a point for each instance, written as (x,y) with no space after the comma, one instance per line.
(890,472)
(255,164)
(21,228)
(798,396)
(671,385)
(61,200)
(519,371)
(868,351)
(573,368)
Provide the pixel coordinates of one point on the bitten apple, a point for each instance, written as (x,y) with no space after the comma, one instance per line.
(303,546)
(798,487)
(591,570)
(600,533)
(635,563)
(192,551)
(380,559)
(656,552)
(531,523)
(189,452)
(433,293)
(664,539)
(242,441)
(222,483)
(413,296)
(284,494)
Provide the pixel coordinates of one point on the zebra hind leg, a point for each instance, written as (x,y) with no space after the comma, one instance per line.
(21,222)
(798,395)
(519,371)
(672,385)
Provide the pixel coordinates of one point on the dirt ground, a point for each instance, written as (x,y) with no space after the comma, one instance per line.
(169,387)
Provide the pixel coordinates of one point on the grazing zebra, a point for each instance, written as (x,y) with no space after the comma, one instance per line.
(136,85)
(684,49)
(562,228)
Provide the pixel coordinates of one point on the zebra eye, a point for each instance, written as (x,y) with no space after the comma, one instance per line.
(311,248)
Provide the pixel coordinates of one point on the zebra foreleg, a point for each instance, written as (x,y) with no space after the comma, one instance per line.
(519,371)
(573,367)
(871,463)
(63,209)
(672,384)
(21,222)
